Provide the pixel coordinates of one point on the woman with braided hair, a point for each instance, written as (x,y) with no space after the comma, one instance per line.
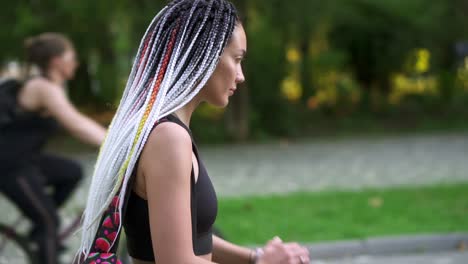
(149,177)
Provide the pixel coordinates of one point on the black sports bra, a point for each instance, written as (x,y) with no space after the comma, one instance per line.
(203,203)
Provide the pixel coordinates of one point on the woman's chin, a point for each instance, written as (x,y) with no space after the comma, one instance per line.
(221,103)
(225,103)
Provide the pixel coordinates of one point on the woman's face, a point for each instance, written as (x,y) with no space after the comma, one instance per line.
(66,64)
(228,73)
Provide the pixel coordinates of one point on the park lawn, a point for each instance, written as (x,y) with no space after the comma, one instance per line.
(337,215)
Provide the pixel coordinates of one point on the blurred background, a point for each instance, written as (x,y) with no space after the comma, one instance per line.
(313,67)
(352,120)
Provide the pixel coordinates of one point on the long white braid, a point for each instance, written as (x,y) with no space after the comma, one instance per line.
(193,58)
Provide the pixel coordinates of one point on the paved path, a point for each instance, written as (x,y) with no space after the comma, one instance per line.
(429,258)
(338,164)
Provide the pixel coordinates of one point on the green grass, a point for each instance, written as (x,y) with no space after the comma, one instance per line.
(322,216)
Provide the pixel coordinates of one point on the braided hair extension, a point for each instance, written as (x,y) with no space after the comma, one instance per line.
(177,55)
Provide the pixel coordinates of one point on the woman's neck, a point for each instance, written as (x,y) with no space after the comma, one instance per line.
(185,113)
(55,77)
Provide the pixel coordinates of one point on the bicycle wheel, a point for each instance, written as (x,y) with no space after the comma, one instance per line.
(14,248)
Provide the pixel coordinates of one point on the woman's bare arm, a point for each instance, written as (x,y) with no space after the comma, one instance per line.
(165,164)
(227,253)
(53,99)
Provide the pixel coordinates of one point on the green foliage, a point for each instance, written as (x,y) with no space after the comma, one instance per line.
(359,45)
(264,70)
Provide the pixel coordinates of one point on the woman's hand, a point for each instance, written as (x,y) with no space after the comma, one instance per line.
(277,252)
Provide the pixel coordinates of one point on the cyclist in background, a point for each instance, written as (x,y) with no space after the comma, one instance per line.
(27,172)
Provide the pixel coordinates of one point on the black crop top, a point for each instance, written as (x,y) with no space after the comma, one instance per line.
(24,138)
(203,203)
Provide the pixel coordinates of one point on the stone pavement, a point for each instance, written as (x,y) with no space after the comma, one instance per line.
(424,258)
(333,164)
(430,249)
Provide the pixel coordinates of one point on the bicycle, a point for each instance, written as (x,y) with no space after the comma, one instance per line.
(15,246)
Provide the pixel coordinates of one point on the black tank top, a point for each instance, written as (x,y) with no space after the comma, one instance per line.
(203,203)
(24,138)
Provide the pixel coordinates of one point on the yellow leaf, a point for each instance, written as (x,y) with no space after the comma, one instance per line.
(293,55)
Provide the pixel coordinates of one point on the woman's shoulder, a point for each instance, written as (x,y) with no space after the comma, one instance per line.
(39,92)
(167,152)
(39,85)
(38,82)
(169,136)
(31,93)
